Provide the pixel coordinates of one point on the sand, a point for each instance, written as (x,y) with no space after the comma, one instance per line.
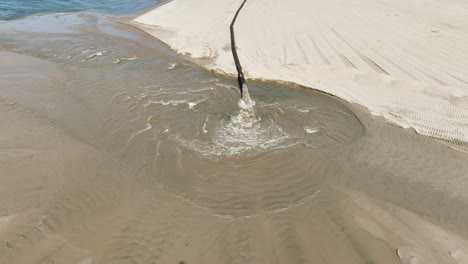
(113,149)
(403,60)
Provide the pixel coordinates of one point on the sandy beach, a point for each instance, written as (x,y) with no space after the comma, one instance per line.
(403,60)
(118,148)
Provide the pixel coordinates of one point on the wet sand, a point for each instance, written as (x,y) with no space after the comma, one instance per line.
(113,149)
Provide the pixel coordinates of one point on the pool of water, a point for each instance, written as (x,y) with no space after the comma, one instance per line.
(13,9)
(188,122)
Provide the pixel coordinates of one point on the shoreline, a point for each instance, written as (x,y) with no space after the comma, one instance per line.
(101,153)
(274,49)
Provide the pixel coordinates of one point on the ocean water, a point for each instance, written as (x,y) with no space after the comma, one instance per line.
(13,9)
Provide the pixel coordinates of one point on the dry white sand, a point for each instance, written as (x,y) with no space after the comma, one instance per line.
(405,60)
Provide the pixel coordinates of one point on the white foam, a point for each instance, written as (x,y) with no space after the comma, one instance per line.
(167,103)
(192,105)
(99,53)
(243,133)
(311,130)
(204,125)
(120,60)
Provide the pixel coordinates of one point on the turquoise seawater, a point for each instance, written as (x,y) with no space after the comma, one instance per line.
(13,9)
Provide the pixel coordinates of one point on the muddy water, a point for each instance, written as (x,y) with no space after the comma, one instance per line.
(115,150)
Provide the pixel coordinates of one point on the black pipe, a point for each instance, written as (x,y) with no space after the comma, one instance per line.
(240,74)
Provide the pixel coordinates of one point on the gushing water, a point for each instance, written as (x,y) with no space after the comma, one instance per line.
(247,113)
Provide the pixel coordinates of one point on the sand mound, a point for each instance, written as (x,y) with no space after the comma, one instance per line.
(403,60)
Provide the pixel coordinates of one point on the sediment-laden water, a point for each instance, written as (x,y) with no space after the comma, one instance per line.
(113,149)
